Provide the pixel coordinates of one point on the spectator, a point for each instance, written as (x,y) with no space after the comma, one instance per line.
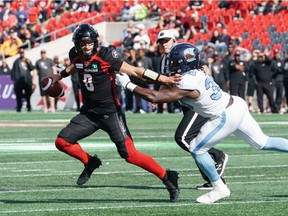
(22,15)
(4,13)
(278,78)
(154,9)
(128,39)
(125,14)
(249,64)
(141,13)
(237,76)
(130,26)
(23,76)
(217,42)
(274,6)
(195,5)
(286,77)
(45,67)
(59,67)
(129,56)
(225,37)
(142,39)
(10,46)
(95,5)
(133,9)
(235,4)
(11,21)
(185,20)
(44,9)
(76,85)
(58,7)
(29,40)
(263,80)
(261,8)
(143,62)
(4,68)
(218,74)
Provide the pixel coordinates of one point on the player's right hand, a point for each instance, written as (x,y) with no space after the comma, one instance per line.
(56,77)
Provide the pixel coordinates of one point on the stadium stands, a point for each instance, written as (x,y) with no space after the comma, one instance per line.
(255,31)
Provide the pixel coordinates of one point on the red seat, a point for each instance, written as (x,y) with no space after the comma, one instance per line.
(33,15)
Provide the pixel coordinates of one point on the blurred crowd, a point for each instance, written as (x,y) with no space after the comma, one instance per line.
(250,74)
(23,23)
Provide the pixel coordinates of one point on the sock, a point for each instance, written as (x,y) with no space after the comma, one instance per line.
(207,165)
(276,144)
(72,149)
(219,183)
(142,160)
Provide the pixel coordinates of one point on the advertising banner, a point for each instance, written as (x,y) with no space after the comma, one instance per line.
(8,98)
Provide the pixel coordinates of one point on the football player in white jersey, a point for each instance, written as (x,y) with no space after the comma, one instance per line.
(227,114)
(191,123)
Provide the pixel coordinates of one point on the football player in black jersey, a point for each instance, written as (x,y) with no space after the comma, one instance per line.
(101,108)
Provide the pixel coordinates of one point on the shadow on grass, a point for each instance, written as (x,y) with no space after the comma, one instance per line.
(106,186)
(51,201)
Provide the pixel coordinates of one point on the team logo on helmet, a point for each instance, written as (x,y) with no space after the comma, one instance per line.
(189,54)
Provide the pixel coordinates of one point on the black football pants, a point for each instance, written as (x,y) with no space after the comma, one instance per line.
(188,129)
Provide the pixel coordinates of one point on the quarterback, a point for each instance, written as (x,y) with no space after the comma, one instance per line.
(96,67)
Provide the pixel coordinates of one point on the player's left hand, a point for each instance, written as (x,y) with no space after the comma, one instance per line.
(122,79)
(171,80)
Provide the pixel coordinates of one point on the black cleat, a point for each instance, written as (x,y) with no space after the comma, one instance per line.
(220,166)
(93,163)
(207,185)
(172,185)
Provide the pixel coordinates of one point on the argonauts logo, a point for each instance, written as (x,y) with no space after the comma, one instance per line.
(189,54)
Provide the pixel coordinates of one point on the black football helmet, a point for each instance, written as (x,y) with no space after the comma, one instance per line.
(85,33)
(182,58)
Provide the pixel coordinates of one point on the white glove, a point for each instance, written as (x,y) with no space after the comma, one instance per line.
(124,81)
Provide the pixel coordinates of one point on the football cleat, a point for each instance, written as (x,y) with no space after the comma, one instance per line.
(93,163)
(220,166)
(216,194)
(172,185)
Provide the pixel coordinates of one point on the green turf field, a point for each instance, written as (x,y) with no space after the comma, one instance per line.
(37,179)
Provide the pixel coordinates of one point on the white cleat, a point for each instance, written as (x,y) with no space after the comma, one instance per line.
(216,194)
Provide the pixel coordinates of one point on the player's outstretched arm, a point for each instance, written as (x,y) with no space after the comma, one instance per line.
(164,96)
(146,74)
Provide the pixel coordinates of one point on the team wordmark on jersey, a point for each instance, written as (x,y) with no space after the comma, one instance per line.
(94,68)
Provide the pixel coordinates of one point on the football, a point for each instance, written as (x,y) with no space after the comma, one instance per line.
(52,89)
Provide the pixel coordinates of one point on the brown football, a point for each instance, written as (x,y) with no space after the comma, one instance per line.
(52,89)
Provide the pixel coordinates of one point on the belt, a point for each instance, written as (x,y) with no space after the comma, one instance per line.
(230,102)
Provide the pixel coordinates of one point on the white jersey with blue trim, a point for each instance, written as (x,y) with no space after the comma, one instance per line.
(212,100)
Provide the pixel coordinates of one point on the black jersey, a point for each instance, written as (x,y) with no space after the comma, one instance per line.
(97,77)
